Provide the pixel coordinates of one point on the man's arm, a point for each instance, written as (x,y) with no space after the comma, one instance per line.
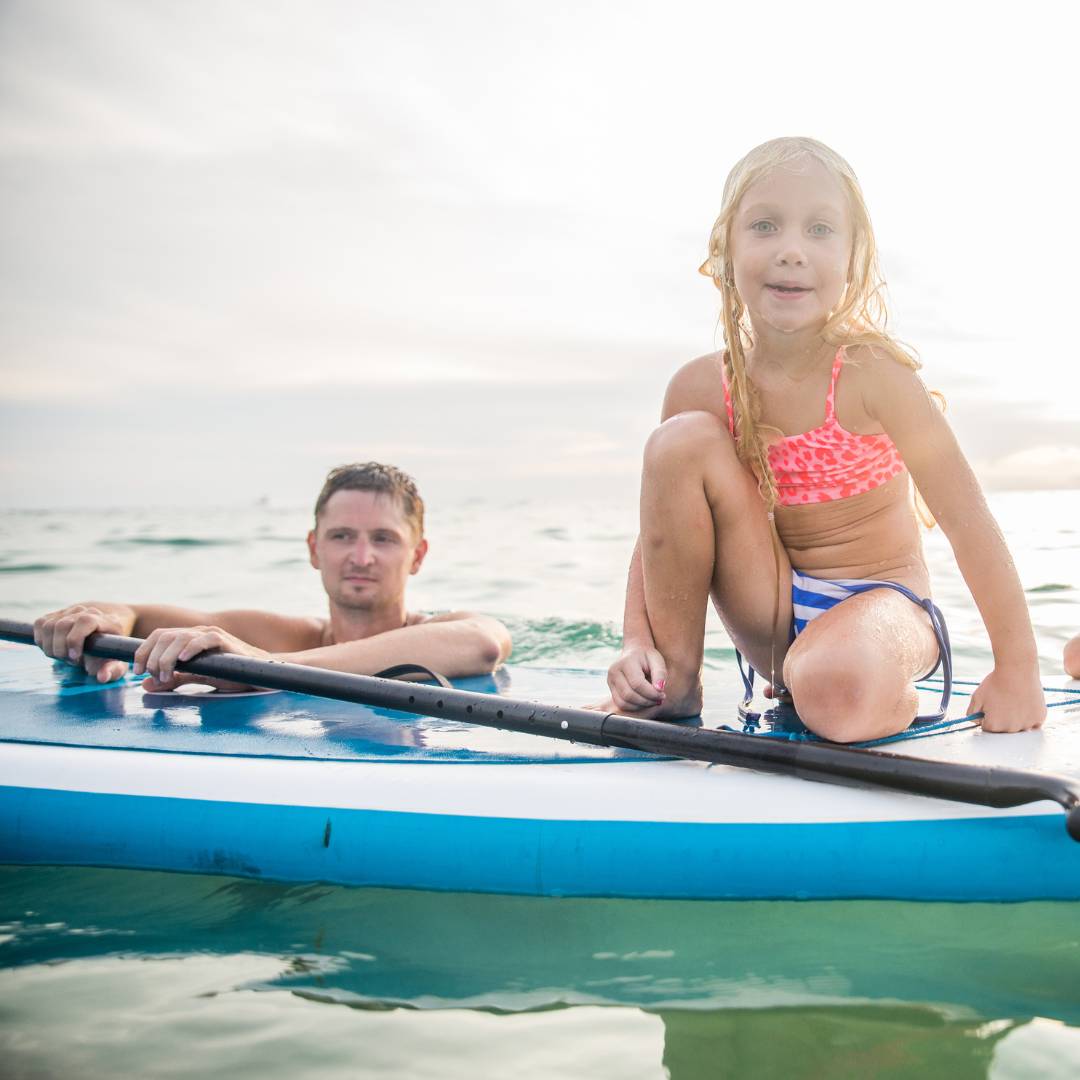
(455,644)
(62,634)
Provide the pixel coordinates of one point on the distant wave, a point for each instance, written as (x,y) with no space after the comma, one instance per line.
(30,568)
(168,541)
(1050,587)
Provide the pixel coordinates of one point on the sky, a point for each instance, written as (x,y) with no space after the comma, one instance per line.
(241,243)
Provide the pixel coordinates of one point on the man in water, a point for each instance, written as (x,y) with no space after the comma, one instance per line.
(367,540)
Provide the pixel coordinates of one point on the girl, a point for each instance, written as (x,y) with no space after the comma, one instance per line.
(778,482)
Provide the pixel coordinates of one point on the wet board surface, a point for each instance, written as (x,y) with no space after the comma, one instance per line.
(46,702)
(292,787)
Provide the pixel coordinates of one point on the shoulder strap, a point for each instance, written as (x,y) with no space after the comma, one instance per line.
(830,401)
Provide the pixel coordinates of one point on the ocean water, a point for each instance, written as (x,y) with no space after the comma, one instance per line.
(116,973)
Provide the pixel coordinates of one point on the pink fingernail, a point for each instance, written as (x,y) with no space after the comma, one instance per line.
(661,684)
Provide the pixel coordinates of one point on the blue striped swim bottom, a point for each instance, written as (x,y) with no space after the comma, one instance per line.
(811,597)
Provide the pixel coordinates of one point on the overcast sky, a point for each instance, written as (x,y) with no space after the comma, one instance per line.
(241,242)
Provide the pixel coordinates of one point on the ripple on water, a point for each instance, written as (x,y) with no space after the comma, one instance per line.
(564,642)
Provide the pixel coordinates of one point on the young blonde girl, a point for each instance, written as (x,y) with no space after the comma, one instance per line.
(779,482)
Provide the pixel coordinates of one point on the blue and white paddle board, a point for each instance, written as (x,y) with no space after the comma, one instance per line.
(288,787)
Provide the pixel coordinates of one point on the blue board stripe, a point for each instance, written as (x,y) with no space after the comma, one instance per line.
(1016,858)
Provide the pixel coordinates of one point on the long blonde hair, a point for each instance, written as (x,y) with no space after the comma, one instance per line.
(860,318)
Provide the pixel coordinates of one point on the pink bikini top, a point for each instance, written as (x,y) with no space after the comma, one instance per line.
(828,462)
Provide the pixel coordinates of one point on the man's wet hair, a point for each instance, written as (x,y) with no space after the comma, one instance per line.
(373,476)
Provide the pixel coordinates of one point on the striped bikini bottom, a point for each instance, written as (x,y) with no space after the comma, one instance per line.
(811,597)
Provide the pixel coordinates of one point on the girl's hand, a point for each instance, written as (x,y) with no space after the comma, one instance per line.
(636,679)
(164,648)
(1011,699)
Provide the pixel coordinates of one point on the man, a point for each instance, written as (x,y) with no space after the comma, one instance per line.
(367,540)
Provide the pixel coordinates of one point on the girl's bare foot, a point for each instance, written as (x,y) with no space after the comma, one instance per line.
(781,695)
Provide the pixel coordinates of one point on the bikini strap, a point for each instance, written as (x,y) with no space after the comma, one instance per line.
(830,400)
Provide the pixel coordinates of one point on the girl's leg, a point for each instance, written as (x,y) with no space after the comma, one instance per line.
(851,671)
(704,530)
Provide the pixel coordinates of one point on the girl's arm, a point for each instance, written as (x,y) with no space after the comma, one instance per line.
(636,679)
(636,628)
(1010,696)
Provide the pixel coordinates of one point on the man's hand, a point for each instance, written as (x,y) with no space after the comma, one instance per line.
(164,648)
(62,635)
(1011,699)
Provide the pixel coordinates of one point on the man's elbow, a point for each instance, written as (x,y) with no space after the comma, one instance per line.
(493,644)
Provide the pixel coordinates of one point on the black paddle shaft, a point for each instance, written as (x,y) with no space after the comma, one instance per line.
(978,784)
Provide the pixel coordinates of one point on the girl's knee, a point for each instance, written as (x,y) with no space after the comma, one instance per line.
(845,698)
(687,436)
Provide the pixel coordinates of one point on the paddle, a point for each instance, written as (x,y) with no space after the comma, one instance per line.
(978,784)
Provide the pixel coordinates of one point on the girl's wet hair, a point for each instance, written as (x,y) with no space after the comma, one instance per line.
(860,317)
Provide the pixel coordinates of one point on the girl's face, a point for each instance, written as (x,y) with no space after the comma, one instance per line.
(790,247)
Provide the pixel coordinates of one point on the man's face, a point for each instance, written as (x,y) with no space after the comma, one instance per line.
(365,549)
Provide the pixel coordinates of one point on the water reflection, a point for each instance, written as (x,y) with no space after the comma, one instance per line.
(515,953)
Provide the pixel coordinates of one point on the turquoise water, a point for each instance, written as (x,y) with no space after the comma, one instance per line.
(111,973)
(122,973)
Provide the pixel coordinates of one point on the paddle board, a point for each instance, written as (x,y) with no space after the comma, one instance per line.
(288,787)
